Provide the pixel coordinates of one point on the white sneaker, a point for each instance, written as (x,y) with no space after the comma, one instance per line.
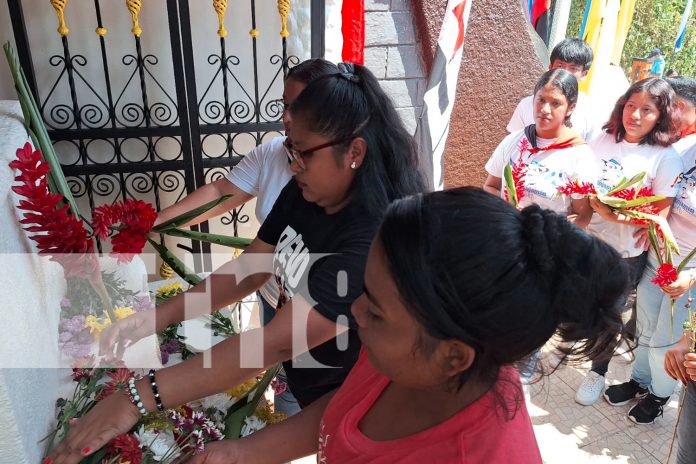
(590,389)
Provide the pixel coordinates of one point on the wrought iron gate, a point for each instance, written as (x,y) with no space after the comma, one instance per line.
(101,124)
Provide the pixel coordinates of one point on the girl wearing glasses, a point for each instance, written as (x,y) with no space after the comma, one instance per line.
(441,325)
(352,157)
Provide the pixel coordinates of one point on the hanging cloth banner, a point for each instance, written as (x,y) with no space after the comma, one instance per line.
(353,29)
(622,27)
(540,19)
(681,33)
(438,101)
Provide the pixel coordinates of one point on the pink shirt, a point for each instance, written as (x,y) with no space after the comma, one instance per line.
(477,434)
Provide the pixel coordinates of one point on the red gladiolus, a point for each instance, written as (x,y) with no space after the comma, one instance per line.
(57,232)
(133,219)
(126,448)
(666,274)
(519,171)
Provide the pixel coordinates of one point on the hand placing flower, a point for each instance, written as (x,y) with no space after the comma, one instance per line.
(681,285)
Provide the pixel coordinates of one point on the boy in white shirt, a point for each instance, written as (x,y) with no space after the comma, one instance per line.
(575,56)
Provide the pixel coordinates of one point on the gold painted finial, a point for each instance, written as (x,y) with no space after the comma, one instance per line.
(284,10)
(101,31)
(59,6)
(166,272)
(220,7)
(134,8)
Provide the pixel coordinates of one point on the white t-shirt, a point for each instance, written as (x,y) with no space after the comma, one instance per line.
(545,172)
(618,160)
(682,218)
(582,120)
(684,144)
(263,173)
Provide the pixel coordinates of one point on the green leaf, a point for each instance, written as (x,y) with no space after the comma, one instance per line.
(624,184)
(670,241)
(37,130)
(686,260)
(235,420)
(655,242)
(175,263)
(510,185)
(186,217)
(224,240)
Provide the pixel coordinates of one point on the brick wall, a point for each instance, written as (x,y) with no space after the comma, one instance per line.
(392,54)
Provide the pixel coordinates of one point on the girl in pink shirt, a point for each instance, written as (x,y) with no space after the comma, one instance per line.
(459,287)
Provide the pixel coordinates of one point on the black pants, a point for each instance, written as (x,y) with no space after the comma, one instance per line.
(636,266)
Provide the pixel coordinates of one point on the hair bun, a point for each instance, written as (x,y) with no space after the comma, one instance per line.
(346,70)
(540,228)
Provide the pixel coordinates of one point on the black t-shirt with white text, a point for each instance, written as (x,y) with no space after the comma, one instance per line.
(322,257)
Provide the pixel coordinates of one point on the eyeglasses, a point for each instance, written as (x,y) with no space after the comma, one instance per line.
(300,156)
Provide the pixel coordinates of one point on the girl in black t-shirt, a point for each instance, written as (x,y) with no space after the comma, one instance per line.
(351,157)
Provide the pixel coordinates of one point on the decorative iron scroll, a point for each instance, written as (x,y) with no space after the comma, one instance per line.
(138,137)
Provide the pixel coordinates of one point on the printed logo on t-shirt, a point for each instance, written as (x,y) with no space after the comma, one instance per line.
(612,172)
(290,262)
(539,180)
(686,197)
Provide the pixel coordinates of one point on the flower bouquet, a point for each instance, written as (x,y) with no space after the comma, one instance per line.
(630,198)
(177,432)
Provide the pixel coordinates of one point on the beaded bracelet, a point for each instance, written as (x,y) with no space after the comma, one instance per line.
(134,397)
(155,391)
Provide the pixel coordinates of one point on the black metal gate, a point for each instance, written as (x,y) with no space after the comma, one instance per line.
(115,141)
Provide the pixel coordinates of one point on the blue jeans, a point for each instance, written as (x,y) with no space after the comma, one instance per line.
(285,402)
(656,333)
(635,266)
(686,433)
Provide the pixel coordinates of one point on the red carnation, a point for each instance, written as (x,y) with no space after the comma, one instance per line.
(118,381)
(57,232)
(666,274)
(133,219)
(126,448)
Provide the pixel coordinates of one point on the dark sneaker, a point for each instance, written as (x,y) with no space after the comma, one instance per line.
(647,410)
(620,394)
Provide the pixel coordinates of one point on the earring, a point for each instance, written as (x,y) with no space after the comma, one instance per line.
(353,165)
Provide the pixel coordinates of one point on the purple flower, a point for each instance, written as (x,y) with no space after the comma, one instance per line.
(164,355)
(65,303)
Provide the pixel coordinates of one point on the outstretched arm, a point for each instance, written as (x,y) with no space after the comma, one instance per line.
(203,195)
(296,437)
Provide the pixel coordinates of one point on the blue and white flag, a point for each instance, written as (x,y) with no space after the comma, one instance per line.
(681,33)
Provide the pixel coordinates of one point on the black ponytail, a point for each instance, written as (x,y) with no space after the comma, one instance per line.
(471,267)
(350,103)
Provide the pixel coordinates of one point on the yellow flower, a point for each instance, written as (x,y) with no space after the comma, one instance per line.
(264,412)
(170,290)
(241,390)
(97,324)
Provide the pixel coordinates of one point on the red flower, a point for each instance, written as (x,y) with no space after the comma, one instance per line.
(666,274)
(119,380)
(575,187)
(135,218)
(57,232)
(126,448)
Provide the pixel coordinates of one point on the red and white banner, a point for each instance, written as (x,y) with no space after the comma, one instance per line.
(438,101)
(353,30)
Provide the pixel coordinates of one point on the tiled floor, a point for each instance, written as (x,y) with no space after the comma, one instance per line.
(569,433)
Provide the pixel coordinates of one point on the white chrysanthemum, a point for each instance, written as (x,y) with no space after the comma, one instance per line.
(161,444)
(251,425)
(220,402)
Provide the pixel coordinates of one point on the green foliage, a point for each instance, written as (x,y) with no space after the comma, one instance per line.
(655,24)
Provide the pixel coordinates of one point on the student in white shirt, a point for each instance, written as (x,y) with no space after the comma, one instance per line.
(637,138)
(548,153)
(575,56)
(657,328)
